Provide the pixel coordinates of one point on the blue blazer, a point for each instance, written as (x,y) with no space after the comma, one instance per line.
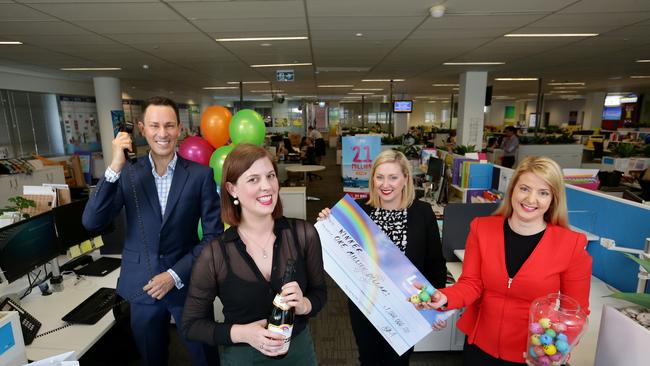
(171,241)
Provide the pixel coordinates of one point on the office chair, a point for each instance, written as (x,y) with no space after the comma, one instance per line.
(310,159)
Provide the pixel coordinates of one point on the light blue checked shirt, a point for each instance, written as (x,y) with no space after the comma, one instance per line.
(163,185)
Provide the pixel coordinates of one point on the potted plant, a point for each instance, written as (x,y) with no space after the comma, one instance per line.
(20,203)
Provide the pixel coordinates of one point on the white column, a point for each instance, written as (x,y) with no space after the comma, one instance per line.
(400,123)
(594,110)
(108,97)
(53,124)
(471,101)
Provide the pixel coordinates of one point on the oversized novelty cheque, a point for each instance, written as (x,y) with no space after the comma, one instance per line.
(376,275)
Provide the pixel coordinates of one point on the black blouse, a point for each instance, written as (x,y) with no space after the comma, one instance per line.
(518,247)
(225,269)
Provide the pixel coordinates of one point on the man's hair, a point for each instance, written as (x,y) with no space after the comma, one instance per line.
(160,101)
(512,129)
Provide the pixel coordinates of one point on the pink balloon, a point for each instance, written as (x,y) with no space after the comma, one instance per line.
(196,149)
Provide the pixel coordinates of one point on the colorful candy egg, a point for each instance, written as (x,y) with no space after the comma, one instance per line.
(550,349)
(546,339)
(562,337)
(429,289)
(415,299)
(545,322)
(539,351)
(536,328)
(534,340)
(551,333)
(556,357)
(531,352)
(544,361)
(562,346)
(559,327)
(556,363)
(424,296)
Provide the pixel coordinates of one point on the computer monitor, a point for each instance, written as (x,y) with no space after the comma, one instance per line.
(456,222)
(27,244)
(435,169)
(402,106)
(70,230)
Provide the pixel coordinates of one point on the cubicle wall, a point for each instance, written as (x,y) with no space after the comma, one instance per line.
(626,222)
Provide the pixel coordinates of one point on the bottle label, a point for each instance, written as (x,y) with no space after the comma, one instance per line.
(285,330)
(279,302)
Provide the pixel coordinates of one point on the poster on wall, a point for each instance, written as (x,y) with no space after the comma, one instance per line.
(357,155)
(80,126)
(509,116)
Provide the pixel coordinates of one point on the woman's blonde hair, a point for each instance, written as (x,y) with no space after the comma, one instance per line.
(408,193)
(549,172)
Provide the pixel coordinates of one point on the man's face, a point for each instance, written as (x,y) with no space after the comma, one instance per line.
(161,129)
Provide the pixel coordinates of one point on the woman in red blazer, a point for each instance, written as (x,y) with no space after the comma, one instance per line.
(525,251)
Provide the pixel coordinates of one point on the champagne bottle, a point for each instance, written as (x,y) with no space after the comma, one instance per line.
(282,315)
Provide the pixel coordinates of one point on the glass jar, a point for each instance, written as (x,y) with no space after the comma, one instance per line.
(556,324)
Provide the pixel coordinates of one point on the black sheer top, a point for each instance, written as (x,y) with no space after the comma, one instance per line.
(225,269)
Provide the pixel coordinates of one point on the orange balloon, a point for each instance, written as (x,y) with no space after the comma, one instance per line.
(215,122)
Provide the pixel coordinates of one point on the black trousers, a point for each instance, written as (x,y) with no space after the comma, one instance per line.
(373,348)
(474,356)
(508,161)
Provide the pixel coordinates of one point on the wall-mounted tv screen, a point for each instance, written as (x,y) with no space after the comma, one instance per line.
(612,113)
(403,106)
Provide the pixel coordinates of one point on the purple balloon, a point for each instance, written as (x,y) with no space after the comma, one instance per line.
(196,149)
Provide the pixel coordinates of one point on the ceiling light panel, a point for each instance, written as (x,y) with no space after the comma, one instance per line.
(261,39)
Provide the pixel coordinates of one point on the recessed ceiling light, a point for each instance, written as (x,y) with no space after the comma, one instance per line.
(642,60)
(248,82)
(145,66)
(91,68)
(474,63)
(254,39)
(640,77)
(265,44)
(335,86)
(551,35)
(367,89)
(615,78)
(446,85)
(10,42)
(361,93)
(515,79)
(568,87)
(454,89)
(219,87)
(375,80)
(359,34)
(268,91)
(432,101)
(567,83)
(283,65)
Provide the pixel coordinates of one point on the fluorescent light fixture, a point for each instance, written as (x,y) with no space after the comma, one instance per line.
(10,42)
(483,63)
(642,60)
(569,87)
(335,86)
(367,89)
(379,80)
(219,87)
(91,68)
(551,35)
(515,79)
(361,93)
(640,77)
(302,96)
(268,91)
(568,83)
(255,39)
(432,101)
(283,65)
(247,82)
(446,84)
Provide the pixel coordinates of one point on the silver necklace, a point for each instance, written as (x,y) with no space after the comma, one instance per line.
(262,247)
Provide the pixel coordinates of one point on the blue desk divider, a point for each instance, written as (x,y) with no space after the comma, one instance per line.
(626,222)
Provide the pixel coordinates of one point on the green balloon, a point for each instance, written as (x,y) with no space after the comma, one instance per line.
(217,159)
(247,126)
(200,230)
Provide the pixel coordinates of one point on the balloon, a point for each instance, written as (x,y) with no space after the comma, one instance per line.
(214,125)
(196,149)
(247,126)
(217,159)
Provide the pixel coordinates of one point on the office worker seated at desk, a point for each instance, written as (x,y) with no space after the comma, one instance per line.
(412,226)
(542,256)
(164,197)
(245,266)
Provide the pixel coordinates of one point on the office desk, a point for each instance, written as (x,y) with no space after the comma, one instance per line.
(584,354)
(50,309)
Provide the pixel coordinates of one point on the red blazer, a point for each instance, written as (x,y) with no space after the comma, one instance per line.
(496,318)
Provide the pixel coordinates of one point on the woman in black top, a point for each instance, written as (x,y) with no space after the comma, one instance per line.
(244,268)
(412,226)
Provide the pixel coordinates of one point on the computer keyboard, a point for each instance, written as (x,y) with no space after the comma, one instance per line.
(93,308)
(99,268)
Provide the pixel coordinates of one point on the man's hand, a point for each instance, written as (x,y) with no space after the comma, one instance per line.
(122,141)
(160,285)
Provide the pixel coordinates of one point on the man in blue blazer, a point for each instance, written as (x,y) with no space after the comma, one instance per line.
(164,196)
